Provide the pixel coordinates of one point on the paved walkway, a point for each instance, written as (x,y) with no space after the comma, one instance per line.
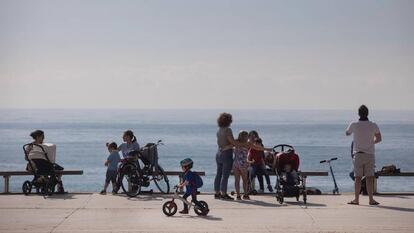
(97,213)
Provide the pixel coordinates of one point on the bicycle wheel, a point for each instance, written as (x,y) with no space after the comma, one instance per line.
(130,180)
(169,208)
(201,211)
(161,181)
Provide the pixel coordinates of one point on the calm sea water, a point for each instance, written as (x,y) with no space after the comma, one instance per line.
(80,136)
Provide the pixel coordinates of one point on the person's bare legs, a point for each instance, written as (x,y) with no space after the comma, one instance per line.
(105,187)
(370,189)
(237,181)
(357,190)
(114,186)
(245,182)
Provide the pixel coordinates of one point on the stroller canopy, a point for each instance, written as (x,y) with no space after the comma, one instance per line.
(287,157)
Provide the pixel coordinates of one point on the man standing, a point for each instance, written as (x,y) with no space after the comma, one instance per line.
(366,135)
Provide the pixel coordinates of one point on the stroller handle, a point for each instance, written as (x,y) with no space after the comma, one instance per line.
(26,153)
(283,147)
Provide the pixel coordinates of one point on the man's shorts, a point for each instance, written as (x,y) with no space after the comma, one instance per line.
(364,165)
(111,176)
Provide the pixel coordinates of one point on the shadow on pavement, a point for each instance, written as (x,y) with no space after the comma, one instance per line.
(394,208)
(208,217)
(257,203)
(67,196)
(307,204)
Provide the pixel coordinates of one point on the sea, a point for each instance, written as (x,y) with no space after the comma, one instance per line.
(80,136)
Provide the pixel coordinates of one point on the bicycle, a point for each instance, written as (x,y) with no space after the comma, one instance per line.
(132,177)
(169,208)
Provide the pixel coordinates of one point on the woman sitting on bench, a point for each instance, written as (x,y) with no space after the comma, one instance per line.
(44,163)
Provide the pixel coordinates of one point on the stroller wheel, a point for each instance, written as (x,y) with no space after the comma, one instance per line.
(47,188)
(279,198)
(304,198)
(27,187)
(43,190)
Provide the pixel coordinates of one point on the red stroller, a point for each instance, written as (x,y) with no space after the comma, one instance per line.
(289,182)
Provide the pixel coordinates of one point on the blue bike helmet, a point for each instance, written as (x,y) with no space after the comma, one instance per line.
(187,163)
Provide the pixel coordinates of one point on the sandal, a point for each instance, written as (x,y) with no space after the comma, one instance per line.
(353,203)
(374,203)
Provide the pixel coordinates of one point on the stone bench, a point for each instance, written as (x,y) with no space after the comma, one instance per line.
(7,174)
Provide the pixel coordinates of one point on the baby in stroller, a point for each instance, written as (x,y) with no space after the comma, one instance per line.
(288,182)
(41,163)
(289,176)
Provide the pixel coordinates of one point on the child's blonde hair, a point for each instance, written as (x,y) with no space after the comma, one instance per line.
(243,136)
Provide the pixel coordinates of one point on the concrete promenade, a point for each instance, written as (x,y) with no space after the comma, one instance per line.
(97,213)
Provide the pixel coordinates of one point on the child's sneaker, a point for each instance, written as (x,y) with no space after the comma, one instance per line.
(103,192)
(269,187)
(183,211)
(238,197)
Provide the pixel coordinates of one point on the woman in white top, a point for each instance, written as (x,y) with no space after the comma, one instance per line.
(37,155)
(130,143)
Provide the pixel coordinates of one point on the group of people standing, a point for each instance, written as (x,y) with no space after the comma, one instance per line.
(244,156)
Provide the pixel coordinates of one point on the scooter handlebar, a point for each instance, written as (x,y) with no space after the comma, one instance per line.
(334,158)
(323,161)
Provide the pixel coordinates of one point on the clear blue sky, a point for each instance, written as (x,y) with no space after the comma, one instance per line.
(207,54)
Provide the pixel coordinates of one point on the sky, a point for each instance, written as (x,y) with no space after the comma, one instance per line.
(207,54)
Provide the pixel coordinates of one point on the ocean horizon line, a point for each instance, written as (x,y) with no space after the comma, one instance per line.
(206,109)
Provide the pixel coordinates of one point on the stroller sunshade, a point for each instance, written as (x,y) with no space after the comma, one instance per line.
(288,157)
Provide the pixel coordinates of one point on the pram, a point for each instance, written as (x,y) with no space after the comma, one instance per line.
(289,182)
(45,179)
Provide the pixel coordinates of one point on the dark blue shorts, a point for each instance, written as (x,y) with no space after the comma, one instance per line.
(111,176)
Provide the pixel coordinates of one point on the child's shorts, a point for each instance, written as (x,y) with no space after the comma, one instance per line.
(111,176)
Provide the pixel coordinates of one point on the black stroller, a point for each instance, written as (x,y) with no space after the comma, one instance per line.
(289,182)
(45,179)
